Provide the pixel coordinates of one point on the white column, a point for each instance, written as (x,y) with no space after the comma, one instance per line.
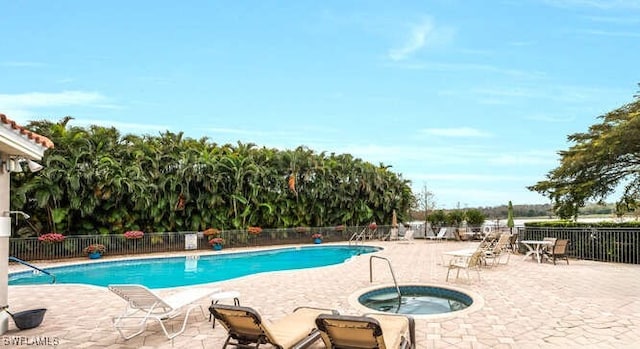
(5,233)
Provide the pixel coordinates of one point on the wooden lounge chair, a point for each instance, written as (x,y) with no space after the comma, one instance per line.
(245,326)
(144,305)
(382,331)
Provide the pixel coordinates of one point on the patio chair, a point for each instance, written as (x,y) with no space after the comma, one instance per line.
(498,250)
(466,262)
(407,237)
(144,305)
(246,327)
(382,331)
(440,236)
(557,251)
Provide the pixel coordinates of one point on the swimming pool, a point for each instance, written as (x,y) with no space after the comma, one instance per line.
(192,270)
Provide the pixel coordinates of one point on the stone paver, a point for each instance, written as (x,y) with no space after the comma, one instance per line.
(523,304)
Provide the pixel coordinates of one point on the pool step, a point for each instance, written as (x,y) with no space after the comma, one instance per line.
(383,297)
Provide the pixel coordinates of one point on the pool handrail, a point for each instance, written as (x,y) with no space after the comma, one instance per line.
(393,275)
(18,260)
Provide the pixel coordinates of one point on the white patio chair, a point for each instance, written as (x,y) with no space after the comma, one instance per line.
(407,237)
(466,262)
(144,305)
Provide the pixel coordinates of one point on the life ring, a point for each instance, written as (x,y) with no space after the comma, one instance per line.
(486,230)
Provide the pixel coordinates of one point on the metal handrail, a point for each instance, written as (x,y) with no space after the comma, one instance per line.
(14,259)
(393,275)
(357,236)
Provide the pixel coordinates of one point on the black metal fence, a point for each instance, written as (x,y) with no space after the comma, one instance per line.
(31,249)
(619,245)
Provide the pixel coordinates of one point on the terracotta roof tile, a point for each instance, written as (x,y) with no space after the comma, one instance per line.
(36,138)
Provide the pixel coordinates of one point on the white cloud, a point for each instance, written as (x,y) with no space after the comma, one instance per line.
(15,64)
(599,4)
(422,35)
(468,177)
(474,67)
(41,99)
(121,126)
(611,33)
(455,132)
(550,118)
(526,159)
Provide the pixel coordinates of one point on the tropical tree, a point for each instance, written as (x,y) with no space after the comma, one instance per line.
(474,217)
(599,162)
(97,181)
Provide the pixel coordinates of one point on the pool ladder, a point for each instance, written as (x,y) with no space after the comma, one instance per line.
(35,269)
(393,275)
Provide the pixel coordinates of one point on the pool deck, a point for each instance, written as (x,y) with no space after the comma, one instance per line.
(523,304)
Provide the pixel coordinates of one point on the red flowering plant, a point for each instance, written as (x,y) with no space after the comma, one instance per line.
(216,241)
(51,238)
(316,236)
(254,230)
(373,226)
(93,248)
(133,234)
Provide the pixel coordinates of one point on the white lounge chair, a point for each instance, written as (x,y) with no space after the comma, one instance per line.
(144,305)
(440,236)
(407,237)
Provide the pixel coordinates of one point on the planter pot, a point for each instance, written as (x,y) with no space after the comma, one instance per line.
(317,241)
(95,255)
(217,247)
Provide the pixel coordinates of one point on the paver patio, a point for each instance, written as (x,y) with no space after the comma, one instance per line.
(524,304)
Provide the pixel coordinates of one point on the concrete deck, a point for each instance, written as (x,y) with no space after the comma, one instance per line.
(523,304)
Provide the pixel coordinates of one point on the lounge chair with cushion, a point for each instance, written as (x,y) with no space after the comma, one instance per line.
(144,305)
(382,331)
(246,327)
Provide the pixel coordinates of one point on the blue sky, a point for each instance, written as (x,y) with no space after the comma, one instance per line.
(471,98)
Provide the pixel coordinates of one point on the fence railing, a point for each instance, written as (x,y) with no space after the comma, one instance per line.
(73,246)
(620,245)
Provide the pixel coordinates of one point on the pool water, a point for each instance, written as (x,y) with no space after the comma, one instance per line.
(416,300)
(192,270)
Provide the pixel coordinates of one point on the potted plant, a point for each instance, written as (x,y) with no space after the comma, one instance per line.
(95,251)
(51,238)
(317,238)
(133,235)
(217,243)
